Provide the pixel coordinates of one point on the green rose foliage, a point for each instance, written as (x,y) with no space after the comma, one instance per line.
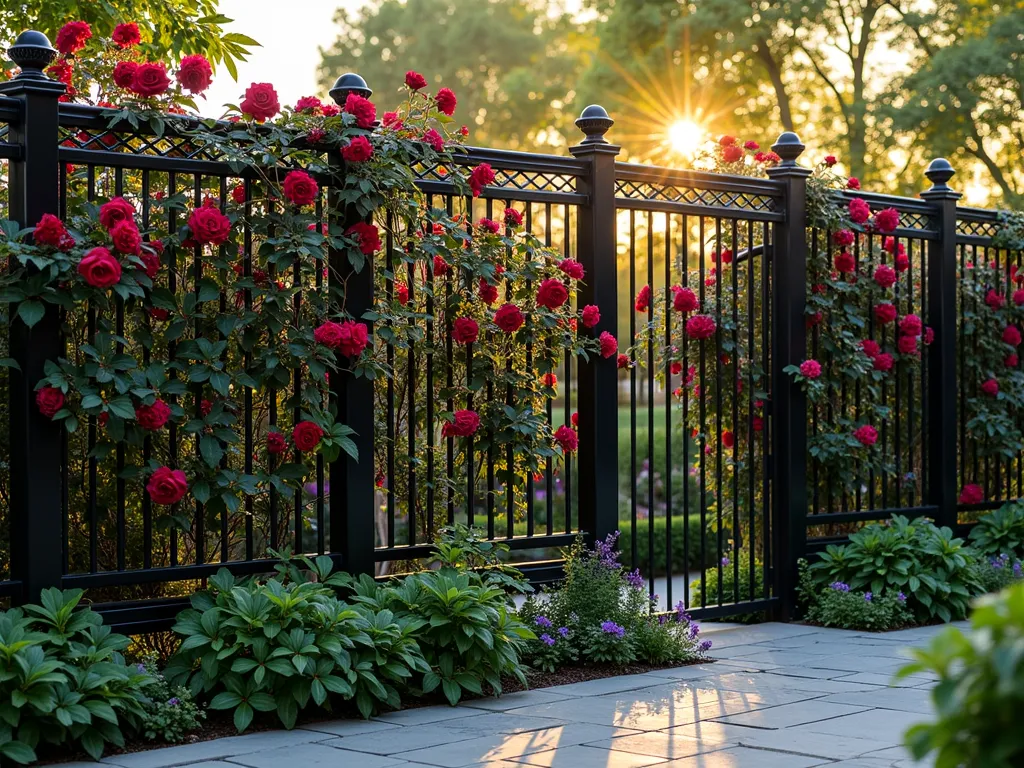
(980,688)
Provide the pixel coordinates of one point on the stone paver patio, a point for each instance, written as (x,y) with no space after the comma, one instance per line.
(779,696)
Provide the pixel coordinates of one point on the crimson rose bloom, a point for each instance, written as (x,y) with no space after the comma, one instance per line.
(159,314)
(310,105)
(830,160)
(434,139)
(446,101)
(845,262)
(700,327)
(907,345)
(591,316)
(489,225)
(870,347)
(1018,296)
(151,260)
(488,293)
(260,102)
(1011,361)
(415,80)
(126,237)
(465,330)
(929,335)
(99,269)
(513,218)
(732,153)
(685,300)
(117,209)
(843,237)
(1011,335)
(810,369)
(853,183)
(358,150)
(883,362)
(859,211)
(990,387)
(567,438)
(509,318)
(150,79)
(643,299)
(209,225)
(994,300)
(887,220)
(440,266)
(328,334)
(306,436)
(49,231)
(124,74)
(195,73)
(72,37)
(885,276)
(126,35)
(885,313)
(153,417)
(354,338)
(367,235)
(167,486)
(866,435)
(299,188)
(751,145)
(911,325)
(238,193)
(623,361)
(609,344)
(902,262)
(728,439)
(361,109)
(276,443)
(49,400)
(465,424)
(552,294)
(480,177)
(572,268)
(972,494)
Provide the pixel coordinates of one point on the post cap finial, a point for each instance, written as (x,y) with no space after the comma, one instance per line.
(595,123)
(788,147)
(32,52)
(939,172)
(348,83)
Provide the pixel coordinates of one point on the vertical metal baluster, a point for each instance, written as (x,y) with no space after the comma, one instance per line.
(702,417)
(719,376)
(247,362)
(650,408)
(172,287)
(431,478)
(567,463)
(735,383)
(147,443)
(413,495)
(530,491)
(91,333)
(490,432)
(549,497)
(391,424)
(669,462)
(318,282)
(684,256)
(634,562)
(751,399)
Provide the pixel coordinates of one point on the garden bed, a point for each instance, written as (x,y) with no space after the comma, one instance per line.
(219,723)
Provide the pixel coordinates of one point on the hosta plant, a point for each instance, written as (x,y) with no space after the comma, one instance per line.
(980,691)
(931,567)
(63,680)
(1001,531)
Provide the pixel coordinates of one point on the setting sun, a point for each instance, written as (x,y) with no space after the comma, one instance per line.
(685,137)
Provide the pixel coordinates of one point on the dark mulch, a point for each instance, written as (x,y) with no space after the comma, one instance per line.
(219,724)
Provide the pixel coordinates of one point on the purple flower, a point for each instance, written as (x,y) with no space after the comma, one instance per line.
(694,630)
(867,597)
(547,639)
(635,579)
(543,621)
(725,561)
(662,618)
(605,551)
(140,668)
(563,631)
(705,646)
(839,586)
(681,615)
(901,597)
(611,628)
(173,701)
(1016,570)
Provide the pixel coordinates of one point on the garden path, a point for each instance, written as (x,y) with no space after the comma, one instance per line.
(779,696)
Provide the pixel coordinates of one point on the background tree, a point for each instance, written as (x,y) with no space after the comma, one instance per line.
(170,28)
(513,64)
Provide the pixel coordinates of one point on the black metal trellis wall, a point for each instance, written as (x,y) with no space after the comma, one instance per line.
(733,493)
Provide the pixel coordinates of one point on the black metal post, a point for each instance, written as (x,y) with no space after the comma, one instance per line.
(36,488)
(352,487)
(788,402)
(598,388)
(941,488)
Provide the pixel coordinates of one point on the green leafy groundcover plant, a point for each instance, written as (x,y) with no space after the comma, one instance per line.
(64,682)
(932,568)
(839,606)
(980,692)
(602,613)
(280,644)
(1000,532)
